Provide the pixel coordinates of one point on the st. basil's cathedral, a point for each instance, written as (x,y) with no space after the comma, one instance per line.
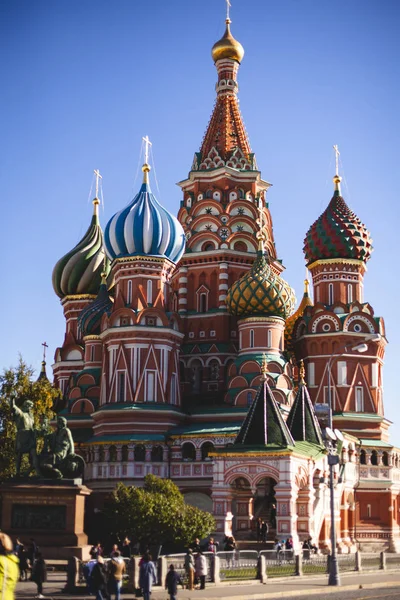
(185,356)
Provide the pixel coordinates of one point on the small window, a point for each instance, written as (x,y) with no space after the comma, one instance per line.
(203,303)
(369,514)
(385,459)
(363,458)
(330,294)
(342,372)
(173,399)
(150,386)
(269,338)
(149,292)
(251,338)
(140,453)
(359,399)
(349,293)
(91,353)
(121,386)
(125,453)
(311,373)
(129,294)
(157,454)
(374,458)
(206,448)
(374,373)
(113,454)
(240,246)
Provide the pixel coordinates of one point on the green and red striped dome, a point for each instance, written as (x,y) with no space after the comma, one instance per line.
(337,233)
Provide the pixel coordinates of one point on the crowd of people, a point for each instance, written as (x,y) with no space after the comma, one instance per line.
(20,563)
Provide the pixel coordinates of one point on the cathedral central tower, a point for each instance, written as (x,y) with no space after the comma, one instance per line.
(224,200)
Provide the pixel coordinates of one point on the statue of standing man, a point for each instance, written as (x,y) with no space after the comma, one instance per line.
(25,441)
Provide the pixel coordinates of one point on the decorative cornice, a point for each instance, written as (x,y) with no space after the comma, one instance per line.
(335,261)
(77,298)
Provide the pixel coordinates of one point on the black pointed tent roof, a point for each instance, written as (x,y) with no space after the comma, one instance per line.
(302,422)
(264,423)
(43,374)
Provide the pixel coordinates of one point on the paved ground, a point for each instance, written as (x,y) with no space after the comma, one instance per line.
(382,585)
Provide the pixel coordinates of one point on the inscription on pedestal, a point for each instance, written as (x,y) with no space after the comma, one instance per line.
(33,516)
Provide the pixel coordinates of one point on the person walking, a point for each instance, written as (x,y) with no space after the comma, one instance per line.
(39,573)
(264,531)
(189,569)
(171,582)
(147,576)
(116,570)
(9,571)
(99,579)
(126,550)
(259,525)
(201,569)
(23,562)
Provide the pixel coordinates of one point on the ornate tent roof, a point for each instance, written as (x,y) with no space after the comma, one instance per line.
(264,423)
(90,317)
(302,422)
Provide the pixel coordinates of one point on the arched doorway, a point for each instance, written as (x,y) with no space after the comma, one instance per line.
(242,507)
(265,504)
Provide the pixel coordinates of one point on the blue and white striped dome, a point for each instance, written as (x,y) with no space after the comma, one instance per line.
(144,227)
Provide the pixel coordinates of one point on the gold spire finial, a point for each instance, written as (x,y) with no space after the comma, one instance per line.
(264,368)
(306,286)
(227,46)
(261,223)
(302,373)
(337,179)
(146,167)
(96,200)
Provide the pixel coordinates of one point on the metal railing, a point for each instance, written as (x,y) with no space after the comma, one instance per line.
(239,564)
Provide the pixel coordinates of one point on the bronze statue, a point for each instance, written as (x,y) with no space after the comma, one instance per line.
(25,441)
(58,458)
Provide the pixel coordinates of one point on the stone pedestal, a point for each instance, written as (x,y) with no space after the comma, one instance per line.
(49,511)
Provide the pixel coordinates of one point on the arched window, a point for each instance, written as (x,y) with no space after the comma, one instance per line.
(125,453)
(385,459)
(207,246)
(363,458)
(349,293)
(101,454)
(203,302)
(251,344)
(240,246)
(196,373)
(140,453)
(188,452)
(374,458)
(330,293)
(157,454)
(269,338)
(205,449)
(91,353)
(149,291)
(113,454)
(129,294)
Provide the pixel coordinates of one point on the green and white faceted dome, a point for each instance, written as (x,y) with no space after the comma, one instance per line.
(79,271)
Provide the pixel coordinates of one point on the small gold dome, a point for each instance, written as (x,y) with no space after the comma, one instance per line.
(227,46)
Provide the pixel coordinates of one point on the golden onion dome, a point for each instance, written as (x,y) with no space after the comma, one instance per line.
(227,46)
(261,292)
(291,321)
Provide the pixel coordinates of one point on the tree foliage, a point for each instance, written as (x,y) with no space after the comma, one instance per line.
(155,514)
(17,381)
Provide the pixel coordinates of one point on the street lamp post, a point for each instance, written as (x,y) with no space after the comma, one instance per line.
(333,458)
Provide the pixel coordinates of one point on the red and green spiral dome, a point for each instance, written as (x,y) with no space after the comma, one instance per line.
(337,233)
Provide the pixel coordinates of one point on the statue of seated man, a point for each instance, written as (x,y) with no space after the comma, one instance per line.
(58,447)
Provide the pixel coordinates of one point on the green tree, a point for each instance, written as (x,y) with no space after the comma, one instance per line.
(17,381)
(155,514)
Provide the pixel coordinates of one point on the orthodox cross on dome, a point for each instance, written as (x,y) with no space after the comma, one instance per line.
(262,224)
(45,346)
(147,144)
(228,5)
(337,153)
(302,373)
(98,177)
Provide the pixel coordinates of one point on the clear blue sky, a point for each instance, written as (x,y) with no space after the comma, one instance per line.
(82,82)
